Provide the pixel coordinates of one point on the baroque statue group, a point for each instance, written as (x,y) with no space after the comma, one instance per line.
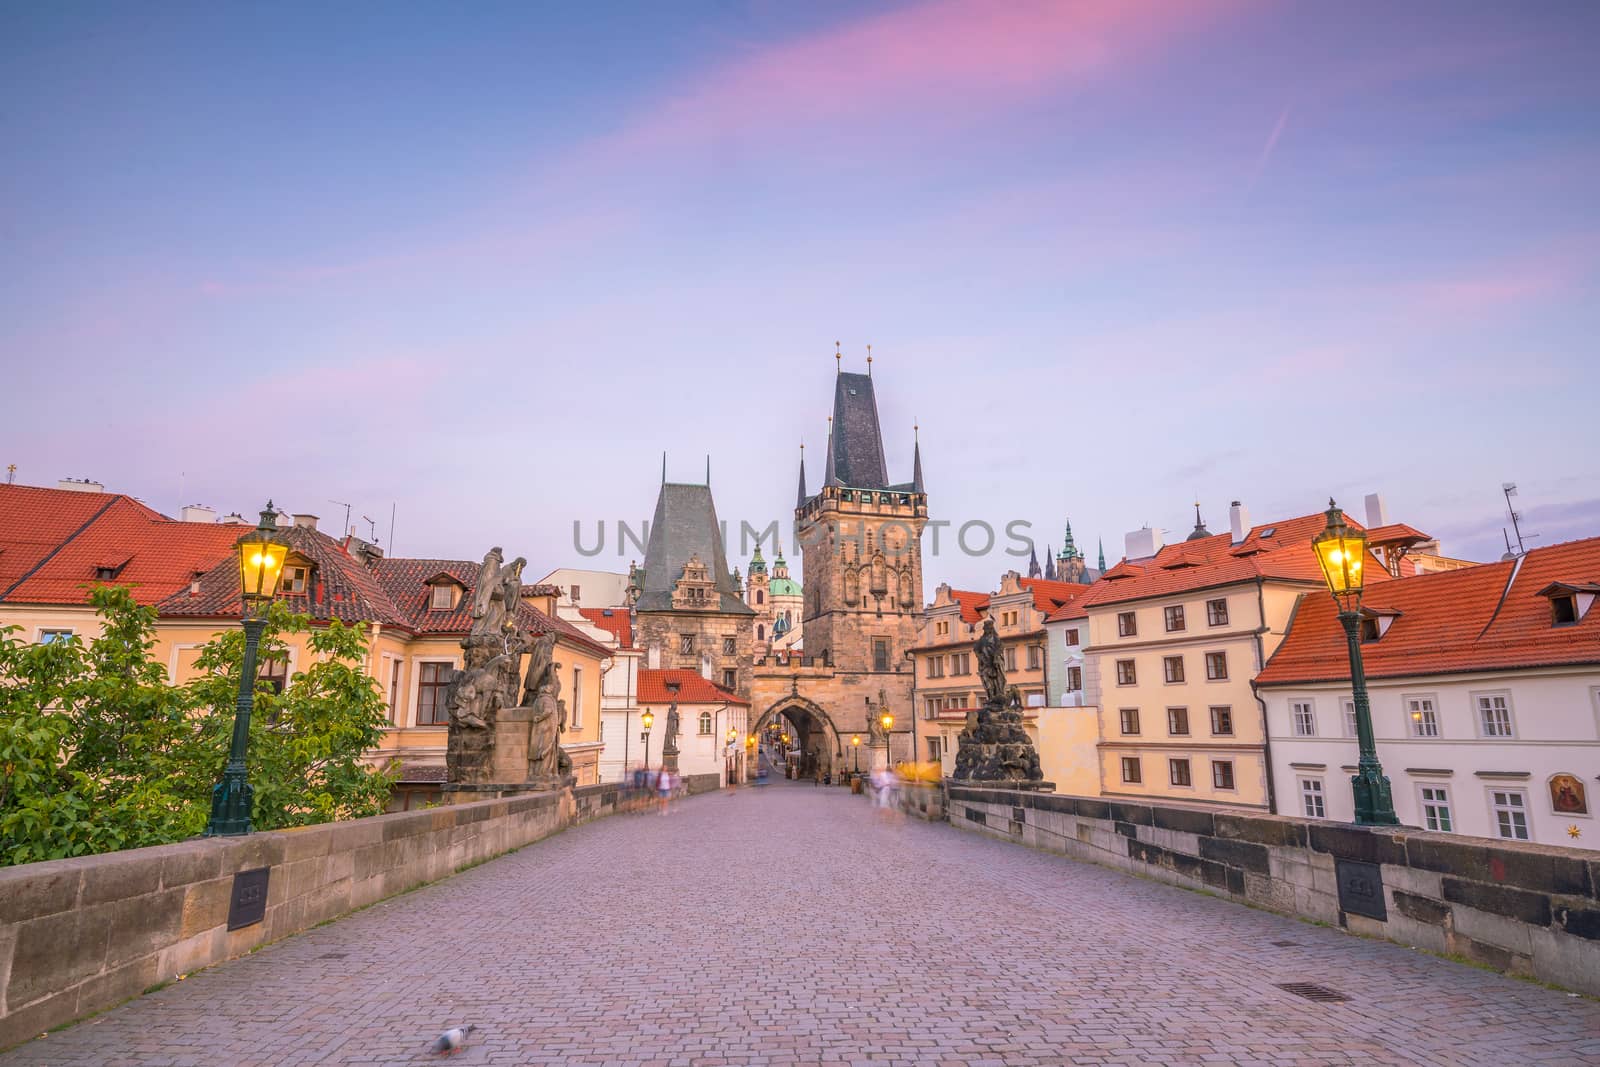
(995,746)
(505,726)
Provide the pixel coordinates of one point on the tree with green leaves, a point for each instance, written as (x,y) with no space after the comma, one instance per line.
(98,752)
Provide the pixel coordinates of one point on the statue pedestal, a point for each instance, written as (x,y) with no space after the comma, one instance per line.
(1014,785)
(669,760)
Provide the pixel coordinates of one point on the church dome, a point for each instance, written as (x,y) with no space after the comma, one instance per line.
(784,587)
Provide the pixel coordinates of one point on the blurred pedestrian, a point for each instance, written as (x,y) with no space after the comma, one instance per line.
(664,788)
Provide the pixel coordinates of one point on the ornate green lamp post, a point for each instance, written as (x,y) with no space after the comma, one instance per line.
(1342,549)
(887,722)
(855,747)
(647,720)
(261,557)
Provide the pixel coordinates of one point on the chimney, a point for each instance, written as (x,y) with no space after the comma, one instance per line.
(306,522)
(652,656)
(233,518)
(1377,514)
(197,513)
(1143,543)
(80,485)
(1238,521)
(705,665)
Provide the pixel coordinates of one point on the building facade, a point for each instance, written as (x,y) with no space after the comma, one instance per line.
(779,604)
(1484,685)
(689,612)
(1176,634)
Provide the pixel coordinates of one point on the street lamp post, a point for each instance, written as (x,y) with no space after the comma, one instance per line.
(888,723)
(647,720)
(260,566)
(1341,550)
(855,747)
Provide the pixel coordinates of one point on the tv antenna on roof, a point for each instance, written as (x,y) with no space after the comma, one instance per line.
(345,529)
(1510,490)
(372,528)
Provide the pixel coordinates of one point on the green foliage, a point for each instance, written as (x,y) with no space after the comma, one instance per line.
(305,743)
(98,752)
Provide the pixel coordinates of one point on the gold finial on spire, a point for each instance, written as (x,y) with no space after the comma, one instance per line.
(838,358)
(869,361)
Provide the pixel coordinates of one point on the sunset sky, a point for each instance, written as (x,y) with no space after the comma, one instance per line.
(488,262)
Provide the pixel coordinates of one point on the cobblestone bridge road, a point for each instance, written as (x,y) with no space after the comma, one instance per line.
(786,925)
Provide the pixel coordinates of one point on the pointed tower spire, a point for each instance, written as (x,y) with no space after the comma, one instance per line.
(1102,555)
(838,359)
(1049,565)
(869,361)
(800,501)
(708,469)
(1069,548)
(830,475)
(1033,562)
(916,459)
(663,468)
(1199,530)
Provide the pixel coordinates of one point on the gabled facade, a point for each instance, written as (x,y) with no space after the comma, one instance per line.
(1484,685)
(689,610)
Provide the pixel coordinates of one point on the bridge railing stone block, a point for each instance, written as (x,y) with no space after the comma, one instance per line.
(1524,909)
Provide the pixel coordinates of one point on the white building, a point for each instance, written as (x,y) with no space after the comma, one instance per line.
(1066,636)
(713,723)
(1484,685)
(588,589)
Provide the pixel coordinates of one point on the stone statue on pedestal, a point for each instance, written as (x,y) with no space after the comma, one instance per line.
(669,746)
(491,669)
(547,718)
(994,746)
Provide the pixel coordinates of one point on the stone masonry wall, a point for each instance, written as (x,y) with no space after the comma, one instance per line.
(80,935)
(1522,909)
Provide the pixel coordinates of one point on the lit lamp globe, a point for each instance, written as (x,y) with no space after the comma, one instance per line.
(856,740)
(647,719)
(1340,550)
(261,558)
(733,735)
(887,720)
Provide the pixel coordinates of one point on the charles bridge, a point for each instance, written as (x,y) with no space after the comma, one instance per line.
(796,924)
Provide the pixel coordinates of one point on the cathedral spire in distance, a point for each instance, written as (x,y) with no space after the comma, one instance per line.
(916,459)
(800,502)
(1102,555)
(1049,565)
(1033,562)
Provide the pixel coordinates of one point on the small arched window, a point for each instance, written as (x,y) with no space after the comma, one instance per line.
(705,724)
(761,596)
(761,632)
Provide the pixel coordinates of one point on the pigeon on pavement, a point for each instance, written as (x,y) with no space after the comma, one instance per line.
(450,1042)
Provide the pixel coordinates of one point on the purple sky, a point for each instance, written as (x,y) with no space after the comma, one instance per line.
(1111,256)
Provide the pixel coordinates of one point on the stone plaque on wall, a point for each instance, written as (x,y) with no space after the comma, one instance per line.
(248,904)
(1361,889)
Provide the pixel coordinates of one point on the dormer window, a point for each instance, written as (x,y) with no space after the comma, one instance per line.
(296,578)
(1569,601)
(107,570)
(1376,622)
(1369,630)
(443,598)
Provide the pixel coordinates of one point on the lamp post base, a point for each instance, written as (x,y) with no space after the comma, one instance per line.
(1374,804)
(231,803)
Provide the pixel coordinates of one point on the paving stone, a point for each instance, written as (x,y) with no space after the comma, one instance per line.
(791,926)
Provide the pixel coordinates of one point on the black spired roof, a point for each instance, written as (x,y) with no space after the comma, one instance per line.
(685,525)
(856,451)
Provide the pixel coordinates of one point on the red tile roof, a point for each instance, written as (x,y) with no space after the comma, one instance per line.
(612,620)
(1396,533)
(1451,621)
(972,604)
(53,541)
(1279,550)
(692,689)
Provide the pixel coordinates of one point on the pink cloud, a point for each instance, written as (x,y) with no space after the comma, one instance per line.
(1511,283)
(951,59)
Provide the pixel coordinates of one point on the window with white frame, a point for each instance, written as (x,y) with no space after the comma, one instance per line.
(1311,798)
(1509,807)
(1423,715)
(394,690)
(1494,714)
(442,598)
(1349,706)
(705,724)
(50,637)
(1304,718)
(1436,808)
(577,698)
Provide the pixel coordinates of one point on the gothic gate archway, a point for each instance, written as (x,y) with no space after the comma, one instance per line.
(812,729)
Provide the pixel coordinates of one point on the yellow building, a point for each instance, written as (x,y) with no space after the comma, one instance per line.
(947,685)
(1176,636)
(416,611)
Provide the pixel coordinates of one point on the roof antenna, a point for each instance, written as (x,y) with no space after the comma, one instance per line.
(838,358)
(372,528)
(345,529)
(1510,490)
(11,472)
(869,361)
